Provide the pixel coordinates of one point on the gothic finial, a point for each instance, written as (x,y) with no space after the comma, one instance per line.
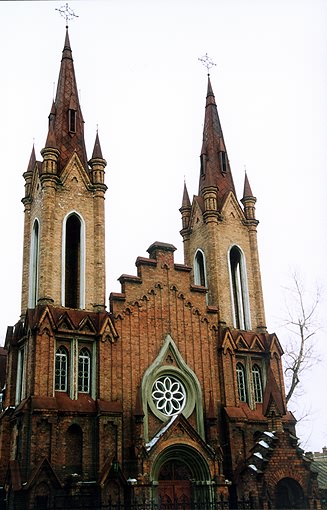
(67,13)
(207,62)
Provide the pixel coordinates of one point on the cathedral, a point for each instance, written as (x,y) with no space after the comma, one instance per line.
(173,395)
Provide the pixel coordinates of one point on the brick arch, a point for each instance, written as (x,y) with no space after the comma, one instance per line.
(287,471)
(289,494)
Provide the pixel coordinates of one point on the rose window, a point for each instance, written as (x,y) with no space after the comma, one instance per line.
(169,395)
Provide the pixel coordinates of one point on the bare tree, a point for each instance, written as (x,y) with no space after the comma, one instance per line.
(302,321)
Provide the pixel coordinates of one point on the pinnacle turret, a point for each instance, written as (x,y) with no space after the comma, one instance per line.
(247,192)
(97,164)
(248,201)
(97,152)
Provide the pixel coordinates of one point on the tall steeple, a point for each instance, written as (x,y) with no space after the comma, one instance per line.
(66,124)
(215,169)
(219,233)
(64,233)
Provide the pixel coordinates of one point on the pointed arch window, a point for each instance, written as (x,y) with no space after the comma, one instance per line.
(241,382)
(34,265)
(84,371)
(61,369)
(73,262)
(200,269)
(239,290)
(257,383)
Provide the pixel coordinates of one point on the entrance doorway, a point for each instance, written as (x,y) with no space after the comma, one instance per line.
(175,485)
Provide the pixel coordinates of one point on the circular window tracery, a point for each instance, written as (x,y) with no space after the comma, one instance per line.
(169,395)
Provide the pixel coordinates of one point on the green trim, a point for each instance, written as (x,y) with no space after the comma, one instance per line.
(183,372)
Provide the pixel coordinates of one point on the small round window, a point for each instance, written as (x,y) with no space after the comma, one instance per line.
(169,395)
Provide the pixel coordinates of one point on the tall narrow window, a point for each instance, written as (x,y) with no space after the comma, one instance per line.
(199,269)
(239,289)
(73,262)
(72,121)
(84,371)
(20,378)
(257,383)
(34,266)
(223,161)
(203,161)
(61,369)
(241,382)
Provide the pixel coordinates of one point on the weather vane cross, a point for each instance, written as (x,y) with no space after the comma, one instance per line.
(207,62)
(67,13)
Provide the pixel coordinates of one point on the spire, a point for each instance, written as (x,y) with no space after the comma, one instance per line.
(215,169)
(32,161)
(66,125)
(97,152)
(247,192)
(185,210)
(28,175)
(186,199)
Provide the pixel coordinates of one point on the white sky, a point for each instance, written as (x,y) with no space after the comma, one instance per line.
(140,81)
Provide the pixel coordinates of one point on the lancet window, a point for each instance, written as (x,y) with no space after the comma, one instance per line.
(241,382)
(34,265)
(240,300)
(61,369)
(200,269)
(257,383)
(73,262)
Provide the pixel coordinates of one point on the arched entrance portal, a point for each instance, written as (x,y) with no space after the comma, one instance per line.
(183,477)
(289,494)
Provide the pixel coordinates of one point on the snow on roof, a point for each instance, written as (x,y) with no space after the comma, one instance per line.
(252,466)
(156,438)
(263,443)
(270,434)
(258,454)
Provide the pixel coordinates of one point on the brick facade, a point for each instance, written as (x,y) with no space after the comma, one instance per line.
(177,391)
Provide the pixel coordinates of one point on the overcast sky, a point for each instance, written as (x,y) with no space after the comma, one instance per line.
(141,83)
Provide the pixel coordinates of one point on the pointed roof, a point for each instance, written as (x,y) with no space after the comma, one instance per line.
(215,169)
(97,152)
(32,161)
(67,141)
(186,199)
(247,192)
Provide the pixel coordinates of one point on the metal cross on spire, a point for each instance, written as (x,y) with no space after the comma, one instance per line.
(67,13)
(207,62)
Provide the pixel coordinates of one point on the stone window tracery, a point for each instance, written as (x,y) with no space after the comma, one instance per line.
(169,395)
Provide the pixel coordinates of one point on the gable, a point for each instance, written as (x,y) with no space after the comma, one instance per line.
(74,177)
(231,209)
(196,218)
